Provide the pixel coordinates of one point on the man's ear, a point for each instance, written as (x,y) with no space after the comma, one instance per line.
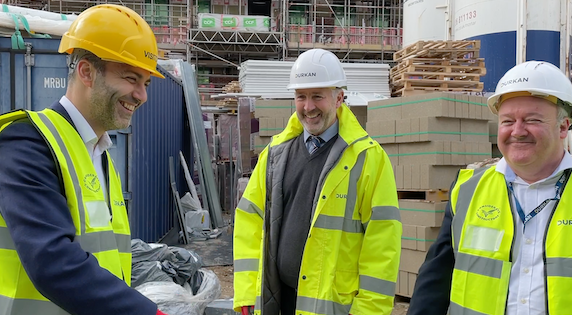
(85,72)
(340,98)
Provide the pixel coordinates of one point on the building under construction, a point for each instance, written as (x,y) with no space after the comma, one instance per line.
(207,32)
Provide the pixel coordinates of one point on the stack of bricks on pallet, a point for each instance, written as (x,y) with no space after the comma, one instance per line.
(427,66)
(273,116)
(428,138)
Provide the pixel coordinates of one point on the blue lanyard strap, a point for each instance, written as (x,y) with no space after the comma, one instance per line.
(559,187)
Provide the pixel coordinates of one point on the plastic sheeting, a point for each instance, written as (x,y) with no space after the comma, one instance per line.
(36,24)
(174,299)
(248,23)
(157,262)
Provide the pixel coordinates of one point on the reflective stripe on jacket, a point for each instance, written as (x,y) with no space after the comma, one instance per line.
(108,241)
(483,236)
(351,257)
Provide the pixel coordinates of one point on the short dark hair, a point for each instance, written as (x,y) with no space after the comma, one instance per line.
(79,54)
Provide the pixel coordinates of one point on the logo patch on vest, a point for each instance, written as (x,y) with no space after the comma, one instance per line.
(91,182)
(488,212)
(564,222)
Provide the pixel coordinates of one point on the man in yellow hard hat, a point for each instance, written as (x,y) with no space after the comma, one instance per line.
(65,244)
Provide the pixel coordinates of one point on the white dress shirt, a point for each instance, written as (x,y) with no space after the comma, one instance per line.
(526,288)
(95,147)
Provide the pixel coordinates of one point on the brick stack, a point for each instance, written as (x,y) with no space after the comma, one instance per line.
(273,116)
(428,139)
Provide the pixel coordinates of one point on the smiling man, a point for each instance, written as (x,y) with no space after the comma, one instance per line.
(516,259)
(65,245)
(317,229)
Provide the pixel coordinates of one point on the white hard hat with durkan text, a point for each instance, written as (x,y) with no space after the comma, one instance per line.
(317,68)
(539,78)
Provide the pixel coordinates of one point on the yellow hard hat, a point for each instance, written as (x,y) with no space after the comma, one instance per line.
(114,33)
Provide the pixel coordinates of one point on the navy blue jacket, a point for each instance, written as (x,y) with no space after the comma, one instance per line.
(431,295)
(33,204)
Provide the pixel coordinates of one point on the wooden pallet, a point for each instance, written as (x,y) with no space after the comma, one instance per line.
(423,90)
(438,83)
(465,62)
(449,49)
(442,67)
(232,87)
(438,70)
(429,195)
(400,79)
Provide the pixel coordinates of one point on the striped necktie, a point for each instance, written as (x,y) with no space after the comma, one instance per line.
(315,143)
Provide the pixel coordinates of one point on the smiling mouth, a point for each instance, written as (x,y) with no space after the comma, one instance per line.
(127,106)
(312,117)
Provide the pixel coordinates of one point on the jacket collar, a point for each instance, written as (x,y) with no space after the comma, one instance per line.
(349,128)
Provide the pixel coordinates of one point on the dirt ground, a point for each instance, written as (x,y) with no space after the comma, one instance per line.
(225,276)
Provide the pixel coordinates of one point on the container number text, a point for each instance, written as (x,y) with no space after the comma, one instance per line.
(54,83)
(466,17)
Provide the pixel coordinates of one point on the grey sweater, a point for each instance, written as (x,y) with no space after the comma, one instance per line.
(300,182)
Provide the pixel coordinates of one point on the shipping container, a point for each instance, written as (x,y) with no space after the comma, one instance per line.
(36,77)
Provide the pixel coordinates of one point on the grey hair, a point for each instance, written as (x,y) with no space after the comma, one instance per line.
(562,112)
(79,54)
(335,92)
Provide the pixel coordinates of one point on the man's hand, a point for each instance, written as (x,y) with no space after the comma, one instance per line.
(247,310)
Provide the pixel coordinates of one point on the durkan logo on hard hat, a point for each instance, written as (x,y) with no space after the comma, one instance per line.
(513,81)
(305,74)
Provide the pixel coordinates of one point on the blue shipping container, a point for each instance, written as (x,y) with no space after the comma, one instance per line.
(141,153)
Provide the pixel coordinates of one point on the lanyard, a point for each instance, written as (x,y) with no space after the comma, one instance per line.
(558,187)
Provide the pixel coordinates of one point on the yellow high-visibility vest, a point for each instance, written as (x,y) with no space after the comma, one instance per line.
(483,230)
(107,240)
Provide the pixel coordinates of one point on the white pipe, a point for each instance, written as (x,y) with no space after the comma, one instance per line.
(563,34)
(567,33)
(447,15)
(37,24)
(39,13)
(29,59)
(521,29)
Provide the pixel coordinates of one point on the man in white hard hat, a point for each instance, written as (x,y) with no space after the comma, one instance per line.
(317,229)
(503,246)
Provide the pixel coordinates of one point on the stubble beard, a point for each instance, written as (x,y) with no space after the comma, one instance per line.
(104,109)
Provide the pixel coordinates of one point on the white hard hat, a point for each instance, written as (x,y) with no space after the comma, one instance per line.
(538,78)
(317,68)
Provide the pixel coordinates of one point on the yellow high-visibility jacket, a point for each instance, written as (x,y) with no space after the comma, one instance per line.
(483,230)
(351,257)
(109,242)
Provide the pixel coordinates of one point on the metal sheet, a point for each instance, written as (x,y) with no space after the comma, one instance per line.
(159,131)
(205,167)
(272,77)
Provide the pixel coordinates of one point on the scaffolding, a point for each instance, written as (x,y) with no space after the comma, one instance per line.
(356,30)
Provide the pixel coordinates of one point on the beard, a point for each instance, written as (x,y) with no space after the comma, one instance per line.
(105,105)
